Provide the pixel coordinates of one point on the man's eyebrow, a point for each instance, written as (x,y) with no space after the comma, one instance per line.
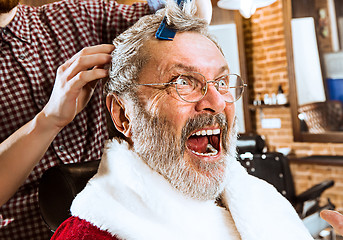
(188,68)
(183,67)
(224,68)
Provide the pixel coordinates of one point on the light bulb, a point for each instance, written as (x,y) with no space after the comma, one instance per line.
(247,8)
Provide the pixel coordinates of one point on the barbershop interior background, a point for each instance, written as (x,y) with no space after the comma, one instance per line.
(290,55)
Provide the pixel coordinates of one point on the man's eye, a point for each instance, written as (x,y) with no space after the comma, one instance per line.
(183,81)
(222,83)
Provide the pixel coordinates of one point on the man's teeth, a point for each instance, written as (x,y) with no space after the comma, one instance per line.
(210,150)
(207,132)
(209,147)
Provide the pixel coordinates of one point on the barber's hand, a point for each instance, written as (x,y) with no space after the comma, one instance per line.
(334,218)
(204,9)
(75,83)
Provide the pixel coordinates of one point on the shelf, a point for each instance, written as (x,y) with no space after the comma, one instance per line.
(321,160)
(254,107)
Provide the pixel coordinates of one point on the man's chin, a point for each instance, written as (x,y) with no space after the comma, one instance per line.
(207,166)
(204,177)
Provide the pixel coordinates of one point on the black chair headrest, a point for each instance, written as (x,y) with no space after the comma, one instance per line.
(250,143)
(58,187)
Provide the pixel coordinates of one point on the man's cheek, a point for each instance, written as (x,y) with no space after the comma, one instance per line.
(230,114)
(156,103)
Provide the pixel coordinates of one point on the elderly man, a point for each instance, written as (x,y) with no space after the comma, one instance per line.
(172,173)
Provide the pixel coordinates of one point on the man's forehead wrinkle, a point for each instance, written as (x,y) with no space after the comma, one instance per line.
(170,58)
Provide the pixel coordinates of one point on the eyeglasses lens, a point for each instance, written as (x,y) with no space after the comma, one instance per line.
(191,87)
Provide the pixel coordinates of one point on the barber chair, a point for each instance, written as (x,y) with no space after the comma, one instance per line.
(273,167)
(58,187)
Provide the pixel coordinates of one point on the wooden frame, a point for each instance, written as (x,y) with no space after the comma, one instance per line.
(336,137)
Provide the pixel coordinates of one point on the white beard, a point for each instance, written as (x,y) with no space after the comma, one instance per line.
(163,151)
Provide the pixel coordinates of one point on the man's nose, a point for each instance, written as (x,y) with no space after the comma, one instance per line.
(212,102)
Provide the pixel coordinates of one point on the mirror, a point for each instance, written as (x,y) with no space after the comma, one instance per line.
(314,39)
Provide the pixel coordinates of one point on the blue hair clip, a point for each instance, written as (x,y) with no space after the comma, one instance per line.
(165,32)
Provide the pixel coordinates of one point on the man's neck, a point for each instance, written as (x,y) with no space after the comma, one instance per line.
(6,18)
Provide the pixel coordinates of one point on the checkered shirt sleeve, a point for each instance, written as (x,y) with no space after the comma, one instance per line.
(32,47)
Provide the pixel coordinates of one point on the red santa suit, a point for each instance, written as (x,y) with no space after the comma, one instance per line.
(127,200)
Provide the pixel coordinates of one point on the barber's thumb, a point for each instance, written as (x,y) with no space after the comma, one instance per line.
(334,218)
(329,215)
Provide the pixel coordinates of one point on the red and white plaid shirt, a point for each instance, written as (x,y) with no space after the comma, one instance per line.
(32,46)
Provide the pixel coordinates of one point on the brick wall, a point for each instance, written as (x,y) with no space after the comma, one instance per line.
(267,69)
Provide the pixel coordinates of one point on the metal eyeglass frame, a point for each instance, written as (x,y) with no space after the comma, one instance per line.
(206,86)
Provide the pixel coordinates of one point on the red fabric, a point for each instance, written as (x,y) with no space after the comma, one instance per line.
(32,46)
(75,228)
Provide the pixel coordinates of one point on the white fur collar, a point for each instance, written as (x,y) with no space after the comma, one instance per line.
(128,199)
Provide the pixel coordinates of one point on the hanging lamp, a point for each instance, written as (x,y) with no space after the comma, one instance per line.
(245,7)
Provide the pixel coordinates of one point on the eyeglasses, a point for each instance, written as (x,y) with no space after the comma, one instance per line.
(193,86)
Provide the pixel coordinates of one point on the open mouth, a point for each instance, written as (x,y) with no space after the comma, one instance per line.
(204,142)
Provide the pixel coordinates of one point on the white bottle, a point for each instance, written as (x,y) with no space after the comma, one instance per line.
(281,97)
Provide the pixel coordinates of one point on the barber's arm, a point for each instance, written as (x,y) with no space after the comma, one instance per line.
(73,88)
(334,218)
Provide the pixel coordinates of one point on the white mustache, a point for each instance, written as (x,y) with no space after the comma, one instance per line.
(201,121)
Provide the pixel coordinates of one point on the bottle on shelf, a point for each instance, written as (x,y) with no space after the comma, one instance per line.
(281,97)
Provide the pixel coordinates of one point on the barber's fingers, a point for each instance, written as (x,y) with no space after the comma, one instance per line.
(83,78)
(85,59)
(103,48)
(84,63)
(335,219)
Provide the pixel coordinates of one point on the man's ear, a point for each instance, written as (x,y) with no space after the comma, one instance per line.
(119,116)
